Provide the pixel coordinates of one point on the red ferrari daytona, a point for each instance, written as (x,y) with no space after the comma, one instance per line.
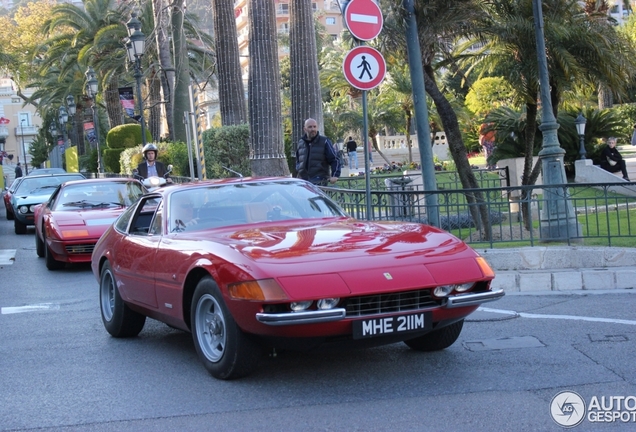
(68,225)
(248,264)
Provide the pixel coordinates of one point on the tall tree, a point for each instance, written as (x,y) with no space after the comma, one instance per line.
(182,85)
(306,98)
(439,25)
(162,40)
(231,91)
(579,50)
(265,118)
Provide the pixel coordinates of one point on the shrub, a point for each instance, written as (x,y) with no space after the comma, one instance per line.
(227,146)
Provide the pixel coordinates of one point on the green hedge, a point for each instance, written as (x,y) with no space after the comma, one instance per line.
(227,146)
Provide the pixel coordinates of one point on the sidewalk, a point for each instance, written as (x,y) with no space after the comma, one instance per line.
(562,268)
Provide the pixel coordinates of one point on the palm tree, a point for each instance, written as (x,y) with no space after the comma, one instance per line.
(439,24)
(399,81)
(90,35)
(231,92)
(265,119)
(578,50)
(306,98)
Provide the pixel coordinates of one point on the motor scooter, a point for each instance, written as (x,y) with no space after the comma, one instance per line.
(154,182)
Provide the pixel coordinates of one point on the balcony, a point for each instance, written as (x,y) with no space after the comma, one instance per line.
(26,130)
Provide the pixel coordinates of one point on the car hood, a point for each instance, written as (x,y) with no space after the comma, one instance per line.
(31,199)
(94,221)
(351,255)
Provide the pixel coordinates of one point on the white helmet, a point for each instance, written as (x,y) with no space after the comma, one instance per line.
(150,147)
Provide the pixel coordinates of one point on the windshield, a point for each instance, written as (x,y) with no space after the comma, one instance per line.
(43,185)
(244,203)
(98,195)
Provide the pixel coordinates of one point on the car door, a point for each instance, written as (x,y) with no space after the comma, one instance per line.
(135,263)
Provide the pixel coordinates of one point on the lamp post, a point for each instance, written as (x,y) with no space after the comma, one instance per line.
(62,119)
(26,167)
(56,148)
(72,109)
(135,48)
(580,129)
(92,88)
(558,221)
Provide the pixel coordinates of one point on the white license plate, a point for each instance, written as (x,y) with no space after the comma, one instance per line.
(392,325)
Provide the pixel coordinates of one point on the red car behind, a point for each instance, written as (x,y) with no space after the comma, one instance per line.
(76,215)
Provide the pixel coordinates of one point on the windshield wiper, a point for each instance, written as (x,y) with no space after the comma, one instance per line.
(108,204)
(82,203)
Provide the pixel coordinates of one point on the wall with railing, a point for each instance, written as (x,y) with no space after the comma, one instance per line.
(604,218)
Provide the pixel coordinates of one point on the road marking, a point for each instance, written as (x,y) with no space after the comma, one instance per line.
(7,256)
(370,19)
(29,308)
(561,317)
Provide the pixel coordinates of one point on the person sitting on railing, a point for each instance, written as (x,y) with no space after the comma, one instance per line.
(611,159)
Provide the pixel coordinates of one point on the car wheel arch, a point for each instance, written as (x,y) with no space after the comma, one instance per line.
(189,286)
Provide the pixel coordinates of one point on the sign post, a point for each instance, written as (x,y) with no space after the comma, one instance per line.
(363,66)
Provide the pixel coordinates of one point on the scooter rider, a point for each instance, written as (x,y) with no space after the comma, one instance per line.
(151,167)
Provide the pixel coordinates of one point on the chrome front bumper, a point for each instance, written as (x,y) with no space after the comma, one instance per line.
(321,316)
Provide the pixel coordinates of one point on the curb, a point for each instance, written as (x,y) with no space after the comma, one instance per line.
(562,268)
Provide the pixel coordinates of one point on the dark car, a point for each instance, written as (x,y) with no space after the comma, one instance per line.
(69,224)
(43,171)
(245,264)
(7,197)
(33,191)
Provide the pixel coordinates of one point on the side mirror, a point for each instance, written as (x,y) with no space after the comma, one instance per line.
(169,169)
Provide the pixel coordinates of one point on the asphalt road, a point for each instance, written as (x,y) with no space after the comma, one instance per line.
(60,370)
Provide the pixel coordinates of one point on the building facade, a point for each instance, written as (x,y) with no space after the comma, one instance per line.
(327,13)
(19,125)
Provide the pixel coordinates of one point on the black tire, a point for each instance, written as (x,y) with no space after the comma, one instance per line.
(119,320)
(19,227)
(437,340)
(51,263)
(226,352)
(9,214)
(39,244)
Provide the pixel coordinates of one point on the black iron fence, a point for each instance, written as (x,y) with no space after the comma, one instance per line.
(518,216)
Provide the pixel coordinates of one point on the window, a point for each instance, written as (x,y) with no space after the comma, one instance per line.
(283,28)
(614,9)
(283,9)
(330,21)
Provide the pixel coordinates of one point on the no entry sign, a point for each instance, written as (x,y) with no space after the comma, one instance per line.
(364,19)
(364,67)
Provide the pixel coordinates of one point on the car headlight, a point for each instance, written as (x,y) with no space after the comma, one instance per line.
(444,290)
(328,303)
(300,306)
(23,209)
(32,208)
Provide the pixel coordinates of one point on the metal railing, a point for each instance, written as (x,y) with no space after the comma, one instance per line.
(602,217)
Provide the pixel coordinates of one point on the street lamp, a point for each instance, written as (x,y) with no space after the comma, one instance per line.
(62,119)
(91,91)
(135,48)
(72,109)
(558,221)
(26,167)
(580,129)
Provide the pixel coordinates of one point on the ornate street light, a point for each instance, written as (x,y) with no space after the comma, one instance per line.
(92,88)
(135,47)
(62,119)
(558,221)
(580,129)
(72,109)
(26,167)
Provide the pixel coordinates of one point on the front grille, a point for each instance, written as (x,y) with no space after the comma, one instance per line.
(80,249)
(388,303)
